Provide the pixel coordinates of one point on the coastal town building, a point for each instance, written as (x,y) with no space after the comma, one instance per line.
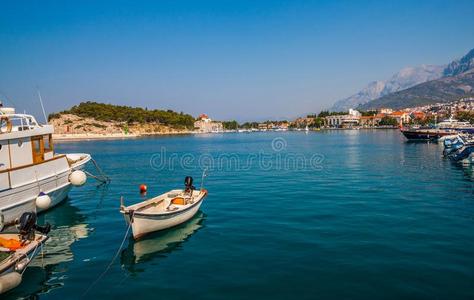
(369,121)
(442,110)
(401,117)
(385,111)
(205,125)
(351,119)
(418,115)
(282,126)
(277,125)
(302,122)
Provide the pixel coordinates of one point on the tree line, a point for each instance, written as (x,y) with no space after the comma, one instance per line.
(127,114)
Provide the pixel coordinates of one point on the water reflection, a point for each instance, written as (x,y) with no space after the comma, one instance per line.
(47,271)
(467,169)
(159,244)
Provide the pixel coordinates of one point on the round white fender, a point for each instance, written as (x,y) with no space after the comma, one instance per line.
(43,201)
(9,281)
(78,178)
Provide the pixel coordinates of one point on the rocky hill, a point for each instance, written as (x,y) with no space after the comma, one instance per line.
(404,79)
(460,66)
(457,82)
(94,118)
(69,124)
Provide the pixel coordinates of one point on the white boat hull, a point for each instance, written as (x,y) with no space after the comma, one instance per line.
(144,218)
(143,225)
(12,267)
(17,200)
(20,190)
(29,167)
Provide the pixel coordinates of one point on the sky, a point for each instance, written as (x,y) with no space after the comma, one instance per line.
(243,60)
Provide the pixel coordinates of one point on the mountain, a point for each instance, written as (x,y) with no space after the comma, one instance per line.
(461,65)
(404,79)
(457,82)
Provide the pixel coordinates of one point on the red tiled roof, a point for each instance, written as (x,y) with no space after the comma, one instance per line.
(398,113)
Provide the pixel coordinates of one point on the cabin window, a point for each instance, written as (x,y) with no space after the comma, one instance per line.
(48,143)
(37,145)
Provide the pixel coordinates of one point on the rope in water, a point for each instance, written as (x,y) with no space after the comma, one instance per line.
(103,176)
(111,262)
(96,177)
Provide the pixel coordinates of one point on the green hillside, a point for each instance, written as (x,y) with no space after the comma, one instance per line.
(110,112)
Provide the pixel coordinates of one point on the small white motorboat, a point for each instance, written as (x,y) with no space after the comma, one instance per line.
(165,211)
(17,250)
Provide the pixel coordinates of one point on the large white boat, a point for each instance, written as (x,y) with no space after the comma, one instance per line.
(457,125)
(32,176)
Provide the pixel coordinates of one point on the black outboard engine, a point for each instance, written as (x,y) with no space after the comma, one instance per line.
(188,183)
(27,226)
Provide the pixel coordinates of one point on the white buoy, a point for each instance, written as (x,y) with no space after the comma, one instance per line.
(9,281)
(78,178)
(43,201)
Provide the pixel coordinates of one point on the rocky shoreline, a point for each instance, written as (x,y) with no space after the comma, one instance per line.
(69,127)
(58,137)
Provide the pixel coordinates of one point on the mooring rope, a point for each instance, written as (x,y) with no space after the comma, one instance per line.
(96,177)
(102,174)
(111,262)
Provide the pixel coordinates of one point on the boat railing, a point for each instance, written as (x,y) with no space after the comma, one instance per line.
(17,122)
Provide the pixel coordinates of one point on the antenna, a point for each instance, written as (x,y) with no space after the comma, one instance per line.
(42,106)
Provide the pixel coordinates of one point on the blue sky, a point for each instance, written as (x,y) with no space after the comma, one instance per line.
(239,60)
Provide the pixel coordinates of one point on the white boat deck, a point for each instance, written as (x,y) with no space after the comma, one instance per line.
(166,203)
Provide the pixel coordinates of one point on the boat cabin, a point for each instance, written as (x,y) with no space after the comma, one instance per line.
(25,146)
(24,142)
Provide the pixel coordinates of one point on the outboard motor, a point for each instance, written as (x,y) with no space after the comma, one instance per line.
(27,226)
(188,183)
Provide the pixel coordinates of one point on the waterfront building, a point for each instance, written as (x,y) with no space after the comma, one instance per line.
(401,117)
(344,121)
(385,111)
(418,115)
(205,125)
(368,121)
(283,126)
(303,122)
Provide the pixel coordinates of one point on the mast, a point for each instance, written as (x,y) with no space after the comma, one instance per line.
(42,106)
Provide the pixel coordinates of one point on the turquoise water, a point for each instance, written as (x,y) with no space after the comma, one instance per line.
(329,215)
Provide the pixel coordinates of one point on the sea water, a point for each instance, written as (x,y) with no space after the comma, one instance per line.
(353,214)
